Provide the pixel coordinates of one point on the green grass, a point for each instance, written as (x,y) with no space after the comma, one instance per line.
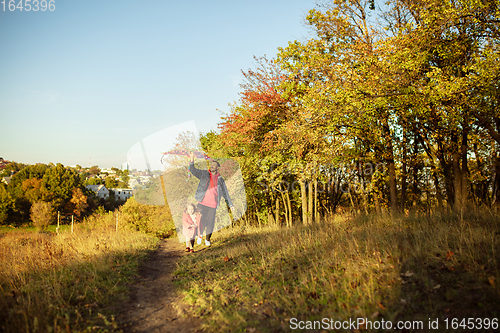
(50,229)
(401,269)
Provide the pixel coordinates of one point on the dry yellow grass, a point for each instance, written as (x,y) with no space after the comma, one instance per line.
(393,269)
(55,283)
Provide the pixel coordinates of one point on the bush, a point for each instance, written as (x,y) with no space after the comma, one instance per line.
(150,219)
(42,214)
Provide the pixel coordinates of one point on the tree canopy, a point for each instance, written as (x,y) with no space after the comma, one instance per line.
(385,107)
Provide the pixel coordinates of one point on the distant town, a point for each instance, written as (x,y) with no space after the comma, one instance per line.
(69,190)
(102,181)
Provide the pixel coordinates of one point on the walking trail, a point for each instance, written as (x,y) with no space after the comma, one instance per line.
(154,305)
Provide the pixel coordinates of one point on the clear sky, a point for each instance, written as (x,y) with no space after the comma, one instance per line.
(83,83)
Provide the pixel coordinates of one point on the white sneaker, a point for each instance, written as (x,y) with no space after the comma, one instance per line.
(207,243)
(198,241)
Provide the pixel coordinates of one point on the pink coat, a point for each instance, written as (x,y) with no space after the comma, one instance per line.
(191,228)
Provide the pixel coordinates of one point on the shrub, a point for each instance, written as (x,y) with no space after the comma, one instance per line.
(150,219)
(42,214)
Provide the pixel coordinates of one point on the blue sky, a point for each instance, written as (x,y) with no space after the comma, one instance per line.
(83,83)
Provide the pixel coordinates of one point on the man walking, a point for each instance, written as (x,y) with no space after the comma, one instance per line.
(210,189)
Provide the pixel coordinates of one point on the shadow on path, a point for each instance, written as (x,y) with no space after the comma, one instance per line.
(154,305)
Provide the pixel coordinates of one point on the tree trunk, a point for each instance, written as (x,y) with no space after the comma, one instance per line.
(403,169)
(496,180)
(290,218)
(448,174)
(390,163)
(465,169)
(286,209)
(414,154)
(439,196)
(457,175)
(316,214)
(376,202)
(303,195)
(277,212)
(310,206)
(483,187)
(363,191)
(354,208)
(256,210)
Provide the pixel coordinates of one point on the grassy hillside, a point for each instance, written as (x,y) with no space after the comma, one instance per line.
(409,269)
(63,283)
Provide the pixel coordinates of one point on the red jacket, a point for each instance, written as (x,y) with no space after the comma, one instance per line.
(191,228)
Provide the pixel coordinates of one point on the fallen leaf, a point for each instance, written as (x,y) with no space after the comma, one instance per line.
(491,280)
(381,306)
(449,254)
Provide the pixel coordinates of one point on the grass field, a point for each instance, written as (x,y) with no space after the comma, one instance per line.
(50,229)
(405,270)
(409,269)
(65,283)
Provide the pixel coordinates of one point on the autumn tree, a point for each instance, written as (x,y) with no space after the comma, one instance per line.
(33,191)
(412,85)
(334,74)
(250,134)
(94,170)
(42,214)
(78,202)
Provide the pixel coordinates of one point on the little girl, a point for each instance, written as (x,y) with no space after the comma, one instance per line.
(191,225)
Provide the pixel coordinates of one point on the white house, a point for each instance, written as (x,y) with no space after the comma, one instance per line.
(122,193)
(110,171)
(6,180)
(100,190)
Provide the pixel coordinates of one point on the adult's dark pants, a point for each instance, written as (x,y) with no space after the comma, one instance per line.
(207,219)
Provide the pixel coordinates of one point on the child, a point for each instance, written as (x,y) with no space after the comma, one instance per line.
(191,225)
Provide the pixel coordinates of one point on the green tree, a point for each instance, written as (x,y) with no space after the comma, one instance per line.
(6,204)
(94,181)
(11,168)
(61,181)
(29,172)
(111,182)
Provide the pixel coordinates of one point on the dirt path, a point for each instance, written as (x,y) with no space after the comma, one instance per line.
(154,305)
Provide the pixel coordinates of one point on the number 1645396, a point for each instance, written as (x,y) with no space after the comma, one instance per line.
(28,5)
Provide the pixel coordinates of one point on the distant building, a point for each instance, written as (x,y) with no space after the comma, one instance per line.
(132,183)
(6,180)
(100,190)
(3,163)
(122,193)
